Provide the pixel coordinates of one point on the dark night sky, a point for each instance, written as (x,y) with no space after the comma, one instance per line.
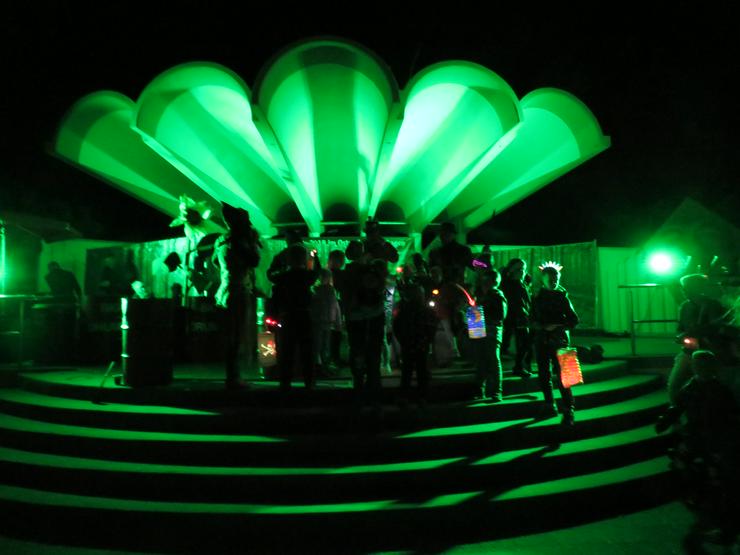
(662,85)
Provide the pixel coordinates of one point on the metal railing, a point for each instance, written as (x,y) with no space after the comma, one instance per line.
(630,289)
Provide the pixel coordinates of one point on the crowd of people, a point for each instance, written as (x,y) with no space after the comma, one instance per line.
(453,304)
(457,304)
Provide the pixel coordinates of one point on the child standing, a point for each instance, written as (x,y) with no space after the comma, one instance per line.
(553,317)
(292,301)
(487,350)
(326,318)
(414,326)
(518,298)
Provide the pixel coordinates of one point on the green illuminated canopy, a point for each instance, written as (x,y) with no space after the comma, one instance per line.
(327,137)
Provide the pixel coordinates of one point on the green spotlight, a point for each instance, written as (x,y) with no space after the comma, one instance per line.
(662,263)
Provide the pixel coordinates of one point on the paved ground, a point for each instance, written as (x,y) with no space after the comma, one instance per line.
(653,532)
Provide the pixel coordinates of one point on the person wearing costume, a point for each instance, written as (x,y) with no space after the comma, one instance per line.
(236,252)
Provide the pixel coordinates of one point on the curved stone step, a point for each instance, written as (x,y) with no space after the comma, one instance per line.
(265,484)
(383,523)
(204,387)
(314,449)
(290,420)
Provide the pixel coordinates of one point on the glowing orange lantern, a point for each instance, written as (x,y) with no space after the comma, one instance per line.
(570,368)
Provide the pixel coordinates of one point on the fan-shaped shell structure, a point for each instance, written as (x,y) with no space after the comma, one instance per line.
(326,137)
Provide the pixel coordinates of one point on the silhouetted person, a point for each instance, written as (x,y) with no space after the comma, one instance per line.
(292,300)
(414,326)
(377,247)
(63,315)
(108,282)
(553,317)
(487,350)
(700,319)
(335,265)
(326,319)
(519,303)
(451,257)
(708,453)
(280,262)
(63,283)
(235,253)
(364,305)
(175,275)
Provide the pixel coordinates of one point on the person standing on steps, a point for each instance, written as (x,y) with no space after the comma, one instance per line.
(553,317)
(291,297)
(414,326)
(519,303)
(235,253)
(487,350)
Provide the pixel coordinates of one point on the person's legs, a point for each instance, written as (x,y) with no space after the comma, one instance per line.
(325,353)
(496,378)
(545,379)
(336,347)
(490,371)
(356,339)
(422,372)
(318,337)
(407,369)
(303,333)
(285,345)
(234,326)
(374,330)
(506,341)
(679,376)
(479,354)
(250,335)
(523,357)
(565,392)
(444,344)
(385,352)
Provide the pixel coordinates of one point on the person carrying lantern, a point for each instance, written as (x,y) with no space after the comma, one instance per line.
(552,318)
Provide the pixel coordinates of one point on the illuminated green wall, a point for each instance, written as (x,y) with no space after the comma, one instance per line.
(327,137)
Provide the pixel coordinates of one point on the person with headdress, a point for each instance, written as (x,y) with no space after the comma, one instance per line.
(552,319)
(236,254)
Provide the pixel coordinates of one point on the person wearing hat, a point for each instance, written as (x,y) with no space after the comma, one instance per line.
(236,254)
